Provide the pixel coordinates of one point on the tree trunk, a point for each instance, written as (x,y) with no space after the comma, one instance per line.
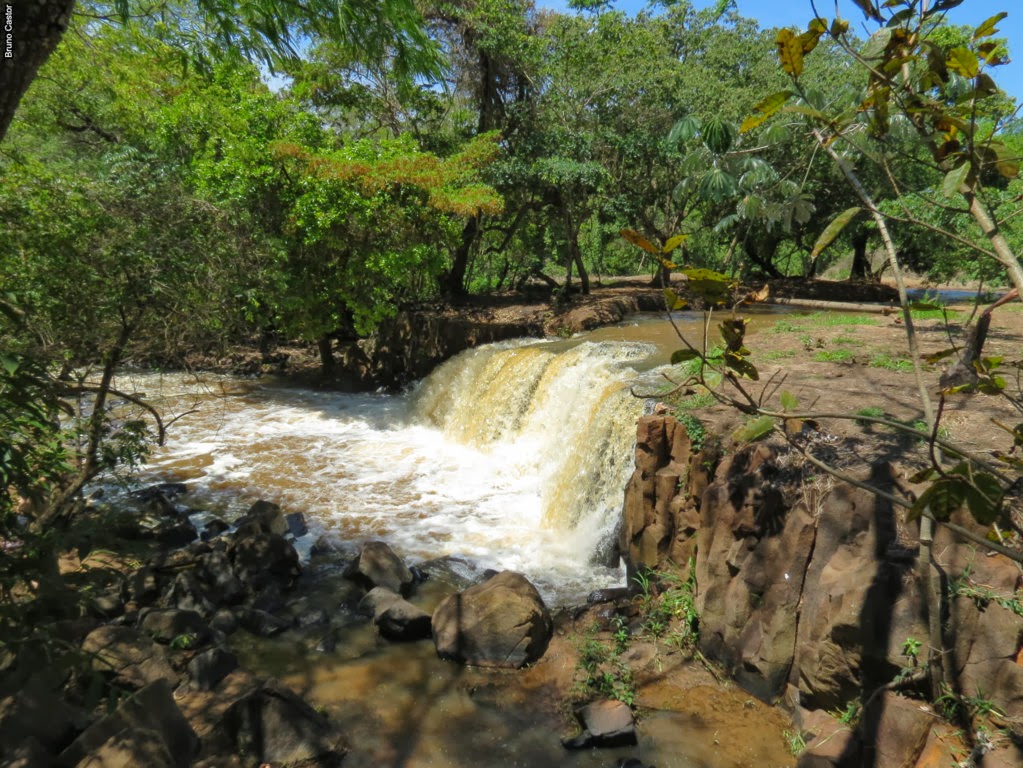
(452,282)
(32,31)
(860,269)
(575,255)
(324,345)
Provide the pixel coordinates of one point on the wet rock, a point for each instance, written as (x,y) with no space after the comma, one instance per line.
(39,715)
(829,743)
(168,624)
(605,723)
(296,523)
(261,623)
(213,529)
(132,659)
(145,726)
(273,725)
(312,617)
(165,491)
(608,595)
(502,622)
(378,566)
(396,618)
(210,667)
(264,516)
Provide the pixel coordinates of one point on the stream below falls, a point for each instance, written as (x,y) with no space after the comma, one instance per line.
(509,456)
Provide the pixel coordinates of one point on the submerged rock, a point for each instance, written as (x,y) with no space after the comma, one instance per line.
(395,617)
(502,622)
(605,723)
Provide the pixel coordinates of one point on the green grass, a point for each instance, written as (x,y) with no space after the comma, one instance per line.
(840,340)
(889,363)
(694,402)
(822,319)
(936,314)
(833,356)
(779,354)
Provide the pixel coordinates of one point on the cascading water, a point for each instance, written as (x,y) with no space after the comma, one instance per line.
(512,455)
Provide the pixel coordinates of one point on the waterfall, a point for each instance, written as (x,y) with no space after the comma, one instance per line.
(511,455)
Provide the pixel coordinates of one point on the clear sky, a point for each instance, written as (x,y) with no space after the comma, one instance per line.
(783,13)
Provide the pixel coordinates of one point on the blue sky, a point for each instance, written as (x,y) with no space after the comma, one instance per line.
(780,13)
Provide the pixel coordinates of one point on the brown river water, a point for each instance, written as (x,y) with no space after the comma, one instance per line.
(509,456)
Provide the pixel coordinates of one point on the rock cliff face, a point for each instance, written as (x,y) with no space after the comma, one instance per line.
(811,583)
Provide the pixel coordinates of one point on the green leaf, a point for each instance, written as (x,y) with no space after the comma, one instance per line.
(754,430)
(867,6)
(789,402)
(923,475)
(683,356)
(790,52)
(742,366)
(964,61)
(944,497)
(827,237)
(718,135)
(984,498)
(988,28)
(877,44)
(938,356)
(954,179)
(733,332)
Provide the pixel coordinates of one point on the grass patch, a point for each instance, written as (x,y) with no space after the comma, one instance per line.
(936,314)
(778,354)
(833,356)
(842,340)
(832,319)
(695,402)
(889,363)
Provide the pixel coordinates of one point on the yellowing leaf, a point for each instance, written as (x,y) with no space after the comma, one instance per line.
(765,108)
(833,230)
(964,61)
(673,301)
(673,243)
(988,28)
(637,239)
(790,52)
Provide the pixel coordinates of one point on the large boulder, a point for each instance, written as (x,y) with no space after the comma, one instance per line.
(132,659)
(273,725)
(378,566)
(502,622)
(261,559)
(148,724)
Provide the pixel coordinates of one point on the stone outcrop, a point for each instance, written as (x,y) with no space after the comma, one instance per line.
(378,566)
(501,622)
(811,583)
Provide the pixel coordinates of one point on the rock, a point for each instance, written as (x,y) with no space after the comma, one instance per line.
(142,586)
(502,622)
(261,623)
(312,617)
(168,624)
(378,566)
(210,667)
(29,753)
(894,730)
(151,713)
(164,491)
(224,621)
(133,660)
(39,715)
(396,618)
(605,723)
(214,528)
(273,725)
(106,606)
(187,593)
(297,526)
(266,516)
(261,559)
(214,569)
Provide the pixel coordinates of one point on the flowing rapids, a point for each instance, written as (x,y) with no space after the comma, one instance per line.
(512,455)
